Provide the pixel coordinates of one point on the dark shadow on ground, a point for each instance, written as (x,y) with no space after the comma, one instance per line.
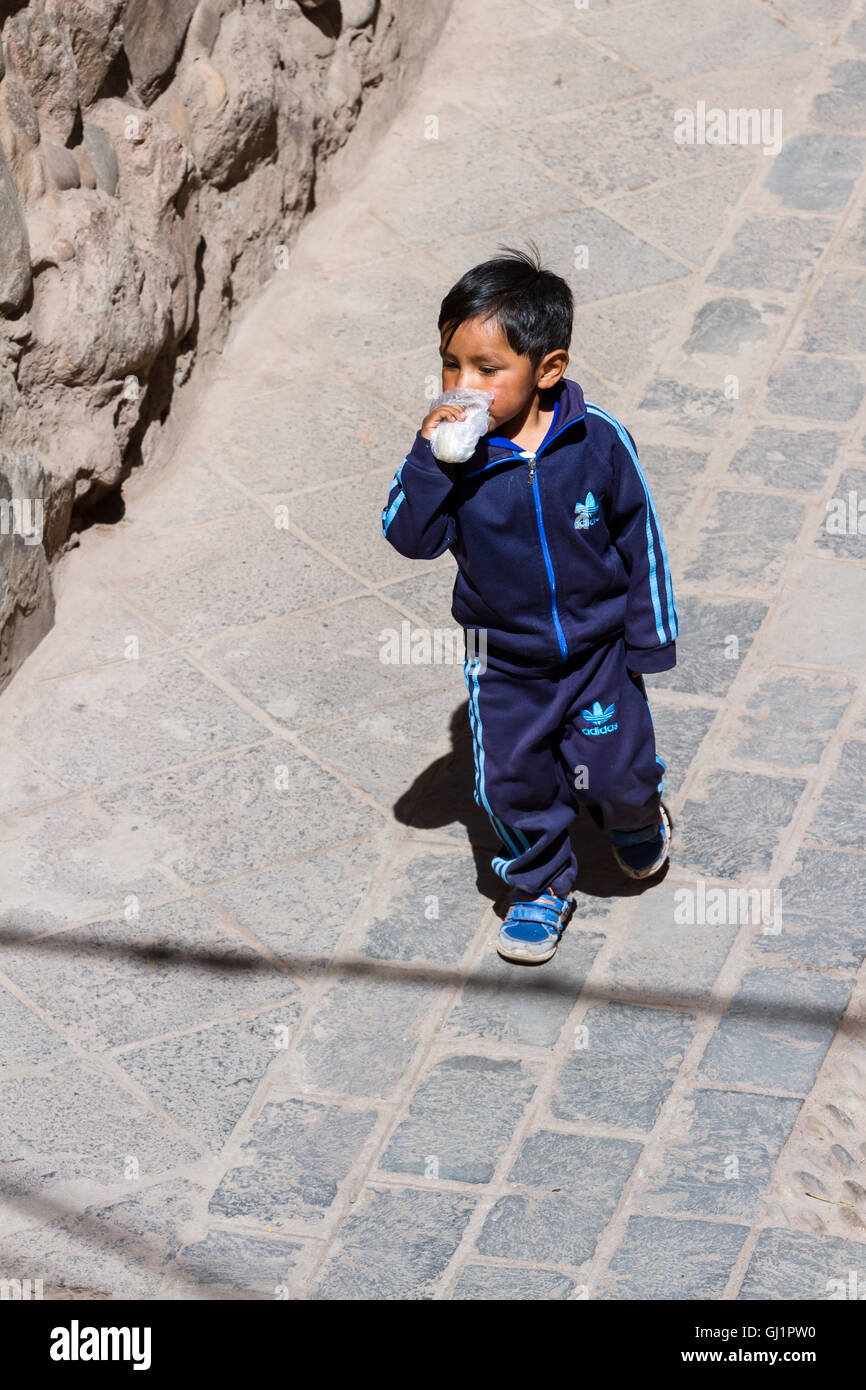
(443,795)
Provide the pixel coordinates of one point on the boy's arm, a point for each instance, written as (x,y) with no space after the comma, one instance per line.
(416,519)
(651,622)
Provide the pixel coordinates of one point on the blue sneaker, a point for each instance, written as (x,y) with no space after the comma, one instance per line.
(641,853)
(532,929)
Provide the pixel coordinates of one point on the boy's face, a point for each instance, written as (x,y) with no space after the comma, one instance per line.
(479,357)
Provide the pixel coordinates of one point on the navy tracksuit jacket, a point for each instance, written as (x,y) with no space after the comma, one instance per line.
(562,567)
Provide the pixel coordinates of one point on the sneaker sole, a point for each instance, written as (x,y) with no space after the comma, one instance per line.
(653,868)
(524,957)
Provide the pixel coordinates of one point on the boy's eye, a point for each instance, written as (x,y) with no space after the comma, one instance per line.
(489,371)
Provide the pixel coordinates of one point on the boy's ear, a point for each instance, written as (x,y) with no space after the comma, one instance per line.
(551,367)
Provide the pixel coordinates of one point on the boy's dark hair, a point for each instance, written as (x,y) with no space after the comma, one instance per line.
(534,306)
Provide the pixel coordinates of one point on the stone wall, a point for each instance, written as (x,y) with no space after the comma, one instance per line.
(156,160)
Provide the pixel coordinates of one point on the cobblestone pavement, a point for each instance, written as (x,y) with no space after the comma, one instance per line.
(256,1036)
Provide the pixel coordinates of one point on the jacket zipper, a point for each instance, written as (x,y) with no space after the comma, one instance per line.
(533,463)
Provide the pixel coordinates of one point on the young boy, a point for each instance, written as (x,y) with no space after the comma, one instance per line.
(562,567)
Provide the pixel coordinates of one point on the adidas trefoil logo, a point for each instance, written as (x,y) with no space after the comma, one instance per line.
(600,719)
(585,513)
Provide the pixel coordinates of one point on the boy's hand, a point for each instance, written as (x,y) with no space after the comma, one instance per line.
(442,412)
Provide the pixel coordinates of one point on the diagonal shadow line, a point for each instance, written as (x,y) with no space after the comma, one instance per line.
(493,976)
(151,1254)
(138,1250)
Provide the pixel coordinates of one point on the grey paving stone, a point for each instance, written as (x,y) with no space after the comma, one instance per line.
(118,982)
(95,632)
(205,1080)
(621,338)
(432,910)
(676,39)
(660,1259)
(664,956)
(685,216)
(790,718)
(777,1029)
(823,924)
(58,866)
(772,253)
(843,106)
(624,1069)
(799,633)
(612,397)
(467,188)
(723,326)
(673,473)
(843,531)
(840,819)
(795,1265)
(826,16)
(301,910)
(271,425)
(383,308)
(821,388)
(856,35)
(364,1034)
(578,76)
(816,172)
(782,458)
(428,596)
(395,1245)
(194,491)
(77,1123)
(484,1283)
(129,718)
(172,582)
(509,1004)
(851,249)
(575,1184)
(348,522)
(239,812)
(619,148)
(835,322)
(735,827)
(461,1119)
(745,540)
(719,1156)
(83,1259)
(117,1250)
(239,1261)
(709,631)
(26,1038)
(613,259)
(318,666)
(22,786)
(679,733)
(686,407)
(384,752)
(162,1213)
(407,382)
(290,1168)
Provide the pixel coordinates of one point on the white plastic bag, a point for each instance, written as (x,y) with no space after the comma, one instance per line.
(454,441)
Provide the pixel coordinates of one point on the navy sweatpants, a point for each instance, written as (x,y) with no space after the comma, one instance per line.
(581,733)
